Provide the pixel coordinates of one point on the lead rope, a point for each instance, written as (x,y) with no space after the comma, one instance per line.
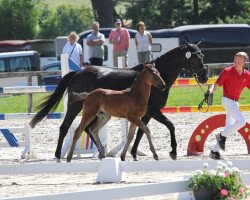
(205,100)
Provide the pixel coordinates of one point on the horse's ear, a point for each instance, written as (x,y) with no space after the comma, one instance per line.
(200,42)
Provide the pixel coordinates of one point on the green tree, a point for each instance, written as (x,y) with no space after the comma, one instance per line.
(158,14)
(224,11)
(64,19)
(19,19)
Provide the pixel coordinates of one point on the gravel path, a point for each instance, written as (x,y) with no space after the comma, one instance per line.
(45,135)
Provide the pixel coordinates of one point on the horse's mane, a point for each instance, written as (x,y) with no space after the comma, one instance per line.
(169,53)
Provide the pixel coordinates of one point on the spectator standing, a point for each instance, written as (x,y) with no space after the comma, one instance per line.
(73,49)
(233,80)
(120,39)
(95,41)
(143,42)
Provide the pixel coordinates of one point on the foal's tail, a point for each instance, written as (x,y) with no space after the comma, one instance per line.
(52,101)
(77,96)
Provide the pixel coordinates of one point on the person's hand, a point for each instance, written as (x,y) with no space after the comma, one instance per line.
(206,96)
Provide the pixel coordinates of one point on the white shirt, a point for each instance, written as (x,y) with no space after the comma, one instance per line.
(75,56)
(143,42)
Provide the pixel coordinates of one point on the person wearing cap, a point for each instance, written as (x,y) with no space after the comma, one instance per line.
(95,42)
(233,79)
(74,49)
(143,42)
(120,38)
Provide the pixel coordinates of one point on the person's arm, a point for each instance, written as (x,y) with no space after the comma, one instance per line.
(128,40)
(95,42)
(81,60)
(150,38)
(248,82)
(111,38)
(136,42)
(213,88)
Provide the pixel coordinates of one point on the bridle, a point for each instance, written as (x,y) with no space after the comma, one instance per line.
(195,75)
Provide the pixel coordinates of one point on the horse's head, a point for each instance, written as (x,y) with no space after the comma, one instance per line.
(194,60)
(155,77)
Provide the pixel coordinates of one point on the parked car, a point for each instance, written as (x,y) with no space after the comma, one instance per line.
(52,79)
(19,61)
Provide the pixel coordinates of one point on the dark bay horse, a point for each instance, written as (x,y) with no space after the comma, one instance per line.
(169,65)
(130,104)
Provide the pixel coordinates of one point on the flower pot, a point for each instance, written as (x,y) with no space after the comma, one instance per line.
(205,194)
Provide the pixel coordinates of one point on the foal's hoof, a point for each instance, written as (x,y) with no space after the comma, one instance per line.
(173,155)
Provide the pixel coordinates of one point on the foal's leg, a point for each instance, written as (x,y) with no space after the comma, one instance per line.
(131,134)
(145,119)
(146,130)
(158,116)
(101,121)
(88,116)
(76,137)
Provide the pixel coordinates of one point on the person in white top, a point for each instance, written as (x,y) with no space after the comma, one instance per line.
(74,49)
(143,42)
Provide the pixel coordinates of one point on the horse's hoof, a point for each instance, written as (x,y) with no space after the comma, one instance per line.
(101,156)
(173,156)
(58,160)
(156,158)
(135,159)
(122,158)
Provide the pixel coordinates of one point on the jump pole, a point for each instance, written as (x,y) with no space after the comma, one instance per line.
(12,141)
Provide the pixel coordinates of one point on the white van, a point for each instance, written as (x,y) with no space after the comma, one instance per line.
(19,61)
(221,41)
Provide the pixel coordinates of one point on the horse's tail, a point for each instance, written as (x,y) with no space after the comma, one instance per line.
(51,102)
(77,96)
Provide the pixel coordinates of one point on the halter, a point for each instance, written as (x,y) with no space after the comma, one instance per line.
(195,75)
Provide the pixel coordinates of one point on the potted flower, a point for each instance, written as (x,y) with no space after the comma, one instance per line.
(222,183)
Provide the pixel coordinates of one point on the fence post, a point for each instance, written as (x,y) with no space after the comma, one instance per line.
(30,94)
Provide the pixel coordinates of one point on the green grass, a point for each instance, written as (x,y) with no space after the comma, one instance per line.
(19,103)
(178,96)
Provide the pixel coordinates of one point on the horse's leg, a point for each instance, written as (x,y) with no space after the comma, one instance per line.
(131,134)
(145,119)
(158,116)
(146,130)
(101,121)
(73,110)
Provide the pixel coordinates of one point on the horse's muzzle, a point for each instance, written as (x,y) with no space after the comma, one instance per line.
(162,87)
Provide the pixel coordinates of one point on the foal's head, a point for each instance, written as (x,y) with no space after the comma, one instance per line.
(154,76)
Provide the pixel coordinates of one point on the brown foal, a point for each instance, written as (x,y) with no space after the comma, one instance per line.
(130,103)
